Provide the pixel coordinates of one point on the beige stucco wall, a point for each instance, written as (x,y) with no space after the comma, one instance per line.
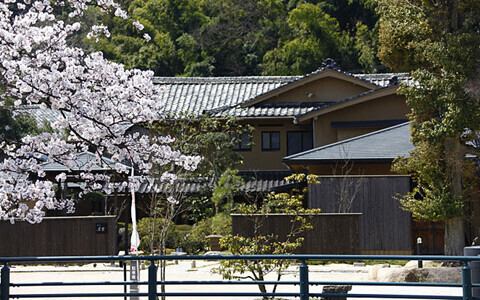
(324,89)
(384,108)
(346,133)
(257,159)
(391,107)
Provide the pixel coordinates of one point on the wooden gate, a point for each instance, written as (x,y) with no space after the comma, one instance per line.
(432,234)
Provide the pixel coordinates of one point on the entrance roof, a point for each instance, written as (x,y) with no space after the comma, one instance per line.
(375,147)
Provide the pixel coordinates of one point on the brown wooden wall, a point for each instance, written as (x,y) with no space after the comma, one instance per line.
(384,227)
(58,236)
(331,233)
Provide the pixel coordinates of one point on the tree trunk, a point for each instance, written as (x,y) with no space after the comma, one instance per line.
(454,228)
(454,15)
(454,237)
(263,288)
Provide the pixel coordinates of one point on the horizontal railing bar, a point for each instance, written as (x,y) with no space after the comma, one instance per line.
(235,282)
(171,294)
(384,296)
(226,294)
(76,295)
(234,294)
(242,257)
(425,284)
(40,284)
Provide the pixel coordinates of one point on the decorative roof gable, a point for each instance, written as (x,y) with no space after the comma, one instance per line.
(327,71)
(332,106)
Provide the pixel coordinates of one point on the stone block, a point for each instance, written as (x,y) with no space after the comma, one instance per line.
(336,289)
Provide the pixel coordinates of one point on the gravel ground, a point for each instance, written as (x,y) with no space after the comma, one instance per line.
(203,271)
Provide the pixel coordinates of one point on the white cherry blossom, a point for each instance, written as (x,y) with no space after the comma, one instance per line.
(138,25)
(96,98)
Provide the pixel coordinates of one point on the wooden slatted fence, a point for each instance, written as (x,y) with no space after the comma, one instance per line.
(331,233)
(59,236)
(384,227)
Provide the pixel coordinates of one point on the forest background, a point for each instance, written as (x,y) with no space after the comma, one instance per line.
(238,37)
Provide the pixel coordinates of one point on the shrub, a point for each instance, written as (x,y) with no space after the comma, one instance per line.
(181,237)
(190,238)
(145,227)
(221,224)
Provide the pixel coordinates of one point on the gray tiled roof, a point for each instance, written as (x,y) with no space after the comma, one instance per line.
(198,185)
(384,144)
(196,95)
(222,95)
(41,115)
(254,181)
(383,79)
(279,109)
(79,164)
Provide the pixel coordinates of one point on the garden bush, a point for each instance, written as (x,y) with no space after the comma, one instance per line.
(191,238)
(145,226)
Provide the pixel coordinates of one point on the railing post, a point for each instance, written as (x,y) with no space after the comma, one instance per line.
(5,284)
(152,281)
(467,282)
(304,281)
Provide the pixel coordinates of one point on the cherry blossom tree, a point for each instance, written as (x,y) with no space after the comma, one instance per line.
(97,101)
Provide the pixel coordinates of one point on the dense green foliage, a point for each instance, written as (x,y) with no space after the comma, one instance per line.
(227,188)
(439,41)
(14,127)
(242,37)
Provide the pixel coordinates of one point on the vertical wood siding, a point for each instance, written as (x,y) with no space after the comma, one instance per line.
(58,236)
(384,227)
(331,233)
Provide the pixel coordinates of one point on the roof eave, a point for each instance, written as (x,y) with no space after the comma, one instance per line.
(305,162)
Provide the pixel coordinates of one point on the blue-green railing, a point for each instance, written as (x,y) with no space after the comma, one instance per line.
(303,283)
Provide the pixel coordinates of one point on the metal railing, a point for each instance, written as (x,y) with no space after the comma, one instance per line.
(303,282)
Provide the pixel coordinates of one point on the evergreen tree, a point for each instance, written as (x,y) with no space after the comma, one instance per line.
(439,42)
(241,37)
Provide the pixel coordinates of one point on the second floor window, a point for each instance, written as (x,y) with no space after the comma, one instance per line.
(299,141)
(270,140)
(244,143)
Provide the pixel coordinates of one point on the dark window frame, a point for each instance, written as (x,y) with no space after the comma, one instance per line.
(302,134)
(270,138)
(239,146)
